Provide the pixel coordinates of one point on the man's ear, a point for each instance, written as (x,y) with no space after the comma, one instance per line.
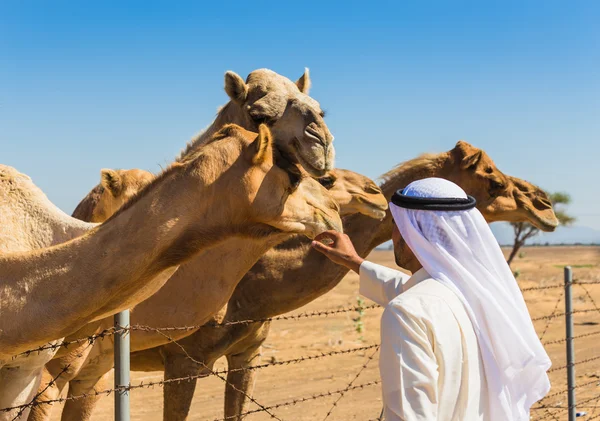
(304,82)
(468,155)
(235,87)
(262,145)
(111,181)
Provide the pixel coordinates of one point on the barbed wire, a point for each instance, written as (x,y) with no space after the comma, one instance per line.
(560,341)
(563,367)
(318,313)
(551,316)
(558,315)
(113,330)
(305,399)
(60,344)
(305,315)
(299,316)
(107,392)
(364,366)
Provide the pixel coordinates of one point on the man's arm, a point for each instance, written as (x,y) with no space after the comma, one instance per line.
(409,369)
(377,282)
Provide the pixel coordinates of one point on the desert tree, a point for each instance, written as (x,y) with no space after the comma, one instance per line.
(523,231)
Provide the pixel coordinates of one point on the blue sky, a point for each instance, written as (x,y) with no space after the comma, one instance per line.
(88,85)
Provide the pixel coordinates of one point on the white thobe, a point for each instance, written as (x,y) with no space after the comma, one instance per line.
(430,364)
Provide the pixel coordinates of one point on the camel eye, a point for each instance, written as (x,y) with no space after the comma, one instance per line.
(489,170)
(496,185)
(328,182)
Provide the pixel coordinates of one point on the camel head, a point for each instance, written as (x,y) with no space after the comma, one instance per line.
(295,119)
(269,189)
(355,193)
(117,187)
(500,197)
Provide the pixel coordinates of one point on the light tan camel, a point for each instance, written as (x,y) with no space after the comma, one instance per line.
(30,221)
(295,118)
(292,274)
(183,300)
(182,212)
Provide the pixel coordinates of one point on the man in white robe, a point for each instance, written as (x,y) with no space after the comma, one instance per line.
(457,342)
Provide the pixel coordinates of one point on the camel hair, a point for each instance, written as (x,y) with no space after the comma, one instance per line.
(182,212)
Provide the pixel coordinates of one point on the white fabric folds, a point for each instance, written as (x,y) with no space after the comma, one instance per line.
(458,249)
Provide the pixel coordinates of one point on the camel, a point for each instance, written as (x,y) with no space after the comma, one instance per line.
(292,275)
(30,221)
(169,307)
(295,118)
(182,212)
(116,187)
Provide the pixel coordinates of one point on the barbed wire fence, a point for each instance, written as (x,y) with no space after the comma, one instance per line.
(550,407)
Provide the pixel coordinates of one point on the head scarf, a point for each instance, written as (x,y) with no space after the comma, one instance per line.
(458,249)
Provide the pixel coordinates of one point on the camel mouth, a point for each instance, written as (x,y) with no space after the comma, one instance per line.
(315,136)
(309,163)
(547,224)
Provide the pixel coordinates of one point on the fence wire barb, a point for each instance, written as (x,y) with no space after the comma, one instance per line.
(305,399)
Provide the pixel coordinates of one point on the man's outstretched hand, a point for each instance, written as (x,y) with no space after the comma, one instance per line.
(340,249)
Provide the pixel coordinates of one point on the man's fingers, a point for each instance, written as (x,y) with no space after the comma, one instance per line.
(321,247)
(328,235)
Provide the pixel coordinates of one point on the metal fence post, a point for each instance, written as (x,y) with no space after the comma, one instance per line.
(122,348)
(570,343)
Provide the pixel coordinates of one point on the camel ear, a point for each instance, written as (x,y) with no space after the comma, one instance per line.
(111,181)
(469,155)
(304,82)
(262,145)
(235,87)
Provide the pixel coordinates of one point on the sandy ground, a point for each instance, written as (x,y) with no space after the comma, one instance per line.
(291,339)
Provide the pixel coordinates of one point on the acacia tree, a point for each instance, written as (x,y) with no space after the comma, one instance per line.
(524,230)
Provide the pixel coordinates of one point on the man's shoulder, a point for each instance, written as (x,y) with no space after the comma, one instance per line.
(422,297)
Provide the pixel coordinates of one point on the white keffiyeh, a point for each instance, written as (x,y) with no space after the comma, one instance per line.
(458,249)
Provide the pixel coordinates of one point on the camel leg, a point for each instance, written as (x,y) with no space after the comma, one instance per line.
(89,379)
(178,395)
(19,382)
(17,387)
(243,380)
(62,369)
(81,409)
(43,412)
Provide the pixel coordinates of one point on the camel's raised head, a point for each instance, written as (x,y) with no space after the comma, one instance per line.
(355,193)
(116,187)
(272,190)
(501,197)
(295,119)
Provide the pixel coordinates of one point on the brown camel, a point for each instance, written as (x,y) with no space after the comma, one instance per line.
(182,212)
(292,274)
(201,300)
(30,221)
(116,187)
(295,118)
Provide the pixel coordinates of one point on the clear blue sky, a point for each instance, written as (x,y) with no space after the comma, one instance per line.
(87,85)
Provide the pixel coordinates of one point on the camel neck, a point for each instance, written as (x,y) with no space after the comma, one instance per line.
(114,266)
(230,113)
